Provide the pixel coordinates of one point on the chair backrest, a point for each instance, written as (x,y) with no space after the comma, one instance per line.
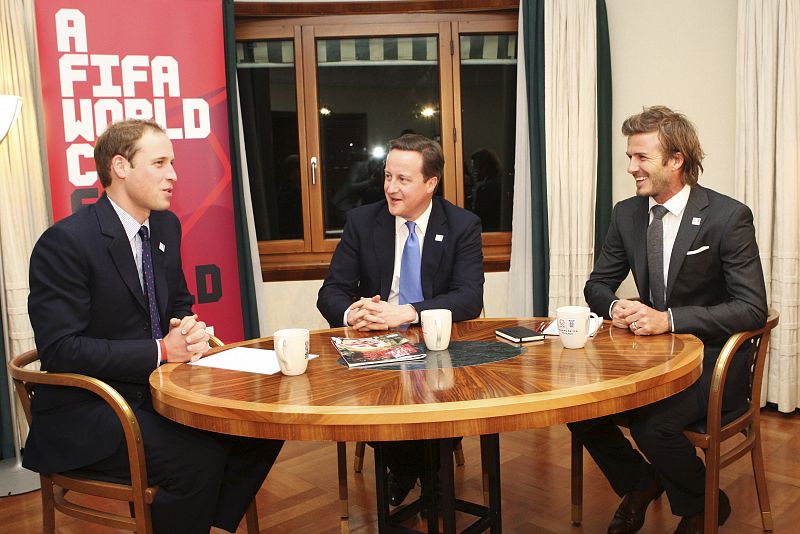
(759,342)
(214,341)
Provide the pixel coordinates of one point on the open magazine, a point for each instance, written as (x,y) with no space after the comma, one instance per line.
(388,348)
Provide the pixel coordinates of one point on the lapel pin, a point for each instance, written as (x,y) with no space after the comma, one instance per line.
(439,237)
(161,246)
(696,221)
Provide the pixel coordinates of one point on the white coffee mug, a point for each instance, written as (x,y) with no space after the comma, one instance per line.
(291,346)
(574,325)
(436,326)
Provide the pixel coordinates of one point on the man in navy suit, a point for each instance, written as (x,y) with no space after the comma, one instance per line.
(364,286)
(90,310)
(705,279)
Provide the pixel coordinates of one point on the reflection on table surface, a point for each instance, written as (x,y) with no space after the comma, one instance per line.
(545,384)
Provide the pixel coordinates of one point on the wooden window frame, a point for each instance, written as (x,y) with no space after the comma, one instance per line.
(309,258)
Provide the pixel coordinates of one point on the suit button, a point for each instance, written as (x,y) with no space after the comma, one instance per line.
(139,395)
(146,327)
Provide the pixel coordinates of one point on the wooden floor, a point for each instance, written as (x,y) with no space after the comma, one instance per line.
(301,496)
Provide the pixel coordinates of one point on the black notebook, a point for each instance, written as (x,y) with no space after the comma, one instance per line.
(519,334)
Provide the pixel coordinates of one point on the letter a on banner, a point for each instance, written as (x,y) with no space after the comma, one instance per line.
(100,63)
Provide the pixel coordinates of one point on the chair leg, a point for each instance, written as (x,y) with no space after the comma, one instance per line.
(251,518)
(358,463)
(48,505)
(458,452)
(577,481)
(711,508)
(344,509)
(761,482)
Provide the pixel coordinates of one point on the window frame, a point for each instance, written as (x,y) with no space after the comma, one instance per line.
(309,258)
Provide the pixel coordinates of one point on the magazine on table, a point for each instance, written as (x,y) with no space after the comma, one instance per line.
(388,348)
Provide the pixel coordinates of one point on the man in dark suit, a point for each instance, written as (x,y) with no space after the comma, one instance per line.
(93,277)
(373,284)
(695,262)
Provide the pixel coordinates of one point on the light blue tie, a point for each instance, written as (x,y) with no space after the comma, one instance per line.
(410,280)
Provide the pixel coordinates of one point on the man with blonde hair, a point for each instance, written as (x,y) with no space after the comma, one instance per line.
(694,259)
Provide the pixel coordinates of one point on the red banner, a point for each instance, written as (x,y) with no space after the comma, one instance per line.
(117,59)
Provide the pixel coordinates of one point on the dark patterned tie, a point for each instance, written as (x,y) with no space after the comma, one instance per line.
(410,280)
(149,284)
(655,257)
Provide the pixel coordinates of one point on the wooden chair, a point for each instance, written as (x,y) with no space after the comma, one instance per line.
(718,426)
(55,486)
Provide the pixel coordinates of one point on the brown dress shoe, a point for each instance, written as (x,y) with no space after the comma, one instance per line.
(693,524)
(629,517)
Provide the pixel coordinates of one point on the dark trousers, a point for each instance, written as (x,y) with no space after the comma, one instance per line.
(658,432)
(205,479)
(407,457)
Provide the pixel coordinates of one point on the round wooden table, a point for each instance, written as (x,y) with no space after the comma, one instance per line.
(545,385)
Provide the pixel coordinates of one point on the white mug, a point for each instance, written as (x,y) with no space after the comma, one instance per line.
(291,346)
(436,326)
(574,325)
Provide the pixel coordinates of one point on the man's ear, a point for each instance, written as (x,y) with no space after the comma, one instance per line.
(120,166)
(676,161)
(431,184)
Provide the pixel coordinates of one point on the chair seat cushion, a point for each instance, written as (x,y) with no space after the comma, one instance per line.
(701,428)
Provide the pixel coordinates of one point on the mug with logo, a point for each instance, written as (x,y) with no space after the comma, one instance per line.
(291,346)
(574,325)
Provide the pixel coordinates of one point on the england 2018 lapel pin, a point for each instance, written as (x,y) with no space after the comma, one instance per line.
(696,221)
(439,237)
(161,246)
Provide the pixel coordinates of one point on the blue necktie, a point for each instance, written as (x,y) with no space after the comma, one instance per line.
(410,280)
(149,284)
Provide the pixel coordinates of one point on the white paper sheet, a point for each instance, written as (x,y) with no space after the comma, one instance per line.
(594,326)
(262,361)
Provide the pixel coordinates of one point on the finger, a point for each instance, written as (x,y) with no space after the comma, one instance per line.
(174,322)
(376,298)
(187,323)
(197,348)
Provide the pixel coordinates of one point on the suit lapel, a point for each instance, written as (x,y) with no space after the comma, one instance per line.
(433,249)
(687,232)
(156,231)
(119,248)
(383,239)
(640,220)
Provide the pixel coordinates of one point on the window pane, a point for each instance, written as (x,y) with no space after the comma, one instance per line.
(488,120)
(370,90)
(267,94)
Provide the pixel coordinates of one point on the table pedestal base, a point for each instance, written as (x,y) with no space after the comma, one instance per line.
(447,505)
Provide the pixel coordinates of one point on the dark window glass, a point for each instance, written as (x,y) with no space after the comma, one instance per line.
(267,92)
(488,120)
(370,91)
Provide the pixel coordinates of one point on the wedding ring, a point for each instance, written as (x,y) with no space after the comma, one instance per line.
(633,326)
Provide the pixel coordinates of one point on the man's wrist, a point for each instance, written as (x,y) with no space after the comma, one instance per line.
(162,349)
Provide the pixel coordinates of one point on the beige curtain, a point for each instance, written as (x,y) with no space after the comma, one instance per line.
(571,145)
(768,170)
(520,272)
(23,200)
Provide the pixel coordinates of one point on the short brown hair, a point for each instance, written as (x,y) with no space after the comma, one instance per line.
(120,138)
(676,133)
(432,155)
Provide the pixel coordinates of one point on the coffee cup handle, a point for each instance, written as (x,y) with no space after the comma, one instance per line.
(589,321)
(280,349)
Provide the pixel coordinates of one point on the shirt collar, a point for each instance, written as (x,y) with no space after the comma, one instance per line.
(677,203)
(130,224)
(421,222)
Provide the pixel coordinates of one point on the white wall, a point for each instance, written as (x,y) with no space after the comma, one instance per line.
(681,54)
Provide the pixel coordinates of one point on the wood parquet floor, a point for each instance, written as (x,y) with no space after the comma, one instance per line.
(301,492)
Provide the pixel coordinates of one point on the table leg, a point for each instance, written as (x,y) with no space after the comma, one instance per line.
(490,460)
(446,477)
(341,460)
(430,503)
(381,489)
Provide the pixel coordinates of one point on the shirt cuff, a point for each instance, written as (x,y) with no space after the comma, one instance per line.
(158,347)
(671,321)
(344,318)
(611,307)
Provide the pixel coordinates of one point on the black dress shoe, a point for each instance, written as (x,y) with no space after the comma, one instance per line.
(399,487)
(693,524)
(629,517)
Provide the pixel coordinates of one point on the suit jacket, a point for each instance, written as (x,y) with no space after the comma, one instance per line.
(90,316)
(715,285)
(363,263)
